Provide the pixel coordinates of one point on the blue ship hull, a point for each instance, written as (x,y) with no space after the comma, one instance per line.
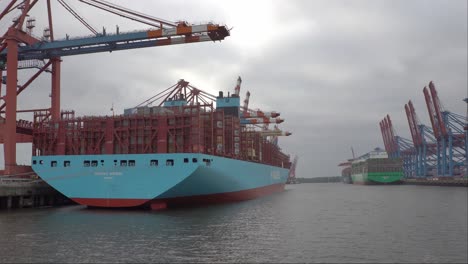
(157,180)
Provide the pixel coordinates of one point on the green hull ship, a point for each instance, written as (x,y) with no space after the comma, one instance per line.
(376,168)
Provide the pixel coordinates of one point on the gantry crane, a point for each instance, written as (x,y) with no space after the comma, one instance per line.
(398,147)
(258,117)
(441,151)
(424,143)
(18,45)
(452,145)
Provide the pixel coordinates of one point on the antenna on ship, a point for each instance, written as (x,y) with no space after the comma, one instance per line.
(112,109)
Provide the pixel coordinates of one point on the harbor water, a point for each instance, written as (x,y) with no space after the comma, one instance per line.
(315,222)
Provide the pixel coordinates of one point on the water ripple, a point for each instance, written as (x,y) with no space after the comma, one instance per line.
(307,223)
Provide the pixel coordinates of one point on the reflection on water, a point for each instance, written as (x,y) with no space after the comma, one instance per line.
(307,223)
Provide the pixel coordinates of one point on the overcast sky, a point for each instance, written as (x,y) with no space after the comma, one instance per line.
(333,69)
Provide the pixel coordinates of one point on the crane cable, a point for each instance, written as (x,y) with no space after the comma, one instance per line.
(135,13)
(129,14)
(77,16)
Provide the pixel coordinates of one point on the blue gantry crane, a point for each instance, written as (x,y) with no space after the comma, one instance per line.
(437,151)
(451,148)
(424,143)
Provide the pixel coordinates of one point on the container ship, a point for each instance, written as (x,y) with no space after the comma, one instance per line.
(190,148)
(376,167)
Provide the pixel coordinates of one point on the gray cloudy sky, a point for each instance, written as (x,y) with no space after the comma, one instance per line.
(333,69)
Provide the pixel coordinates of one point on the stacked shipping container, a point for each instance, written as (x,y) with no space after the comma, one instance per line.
(179,129)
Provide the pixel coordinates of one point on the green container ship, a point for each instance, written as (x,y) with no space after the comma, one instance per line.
(376,167)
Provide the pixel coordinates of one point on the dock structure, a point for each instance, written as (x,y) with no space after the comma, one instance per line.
(27,192)
(442,181)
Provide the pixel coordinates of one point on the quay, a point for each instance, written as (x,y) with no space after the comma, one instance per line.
(438,181)
(28,192)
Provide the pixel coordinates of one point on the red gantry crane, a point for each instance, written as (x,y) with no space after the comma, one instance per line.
(19,49)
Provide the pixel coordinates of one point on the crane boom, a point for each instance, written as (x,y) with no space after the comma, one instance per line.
(383,129)
(392,135)
(411,125)
(246,102)
(182,34)
(384,136)
(432,115)
(261,120)
(238,86)
(274,133)
(437,108)
(414,117)
(259,113)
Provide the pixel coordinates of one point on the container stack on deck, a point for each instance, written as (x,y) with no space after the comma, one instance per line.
(178,126)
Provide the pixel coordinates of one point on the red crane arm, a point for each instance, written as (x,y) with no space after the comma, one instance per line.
(430,109)
(411,125)
(392,134)
(384,137)
(27,6)
(387,134)
(246,102)
(49,16)
(436,101)
(20,21)
(414,117)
